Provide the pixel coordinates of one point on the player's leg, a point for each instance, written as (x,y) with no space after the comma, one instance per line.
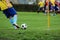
(54,11)
(13,15)
(10,13)
(45,10)
(50,9)
(11,21)
(15,21)
(38,10)
(7,14)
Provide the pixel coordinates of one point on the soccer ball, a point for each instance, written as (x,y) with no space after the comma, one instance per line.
(23,26)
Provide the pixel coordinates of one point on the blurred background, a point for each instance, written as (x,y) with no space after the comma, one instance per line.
(28,5)
(26,1)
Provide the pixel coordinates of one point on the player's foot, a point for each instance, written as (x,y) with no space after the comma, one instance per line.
(16,26)
(54,14)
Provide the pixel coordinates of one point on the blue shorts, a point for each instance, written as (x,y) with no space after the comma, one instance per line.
(10,12)
(56,8)
(53,7)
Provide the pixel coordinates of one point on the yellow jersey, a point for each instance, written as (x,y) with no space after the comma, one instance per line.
(41,4)
(53,2)
(3,5)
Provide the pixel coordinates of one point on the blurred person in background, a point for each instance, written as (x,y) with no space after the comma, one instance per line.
(53,7)
(41,6)
(46,7)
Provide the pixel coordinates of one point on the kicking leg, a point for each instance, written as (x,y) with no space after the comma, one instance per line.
(15,21)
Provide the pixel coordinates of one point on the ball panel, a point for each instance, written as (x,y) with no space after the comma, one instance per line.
(23,26)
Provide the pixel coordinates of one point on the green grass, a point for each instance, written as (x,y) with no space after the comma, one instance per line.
(37,27)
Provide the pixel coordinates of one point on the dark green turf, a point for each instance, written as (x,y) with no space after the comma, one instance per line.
(37,27)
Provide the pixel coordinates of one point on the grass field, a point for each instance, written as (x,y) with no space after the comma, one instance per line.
(37,27)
